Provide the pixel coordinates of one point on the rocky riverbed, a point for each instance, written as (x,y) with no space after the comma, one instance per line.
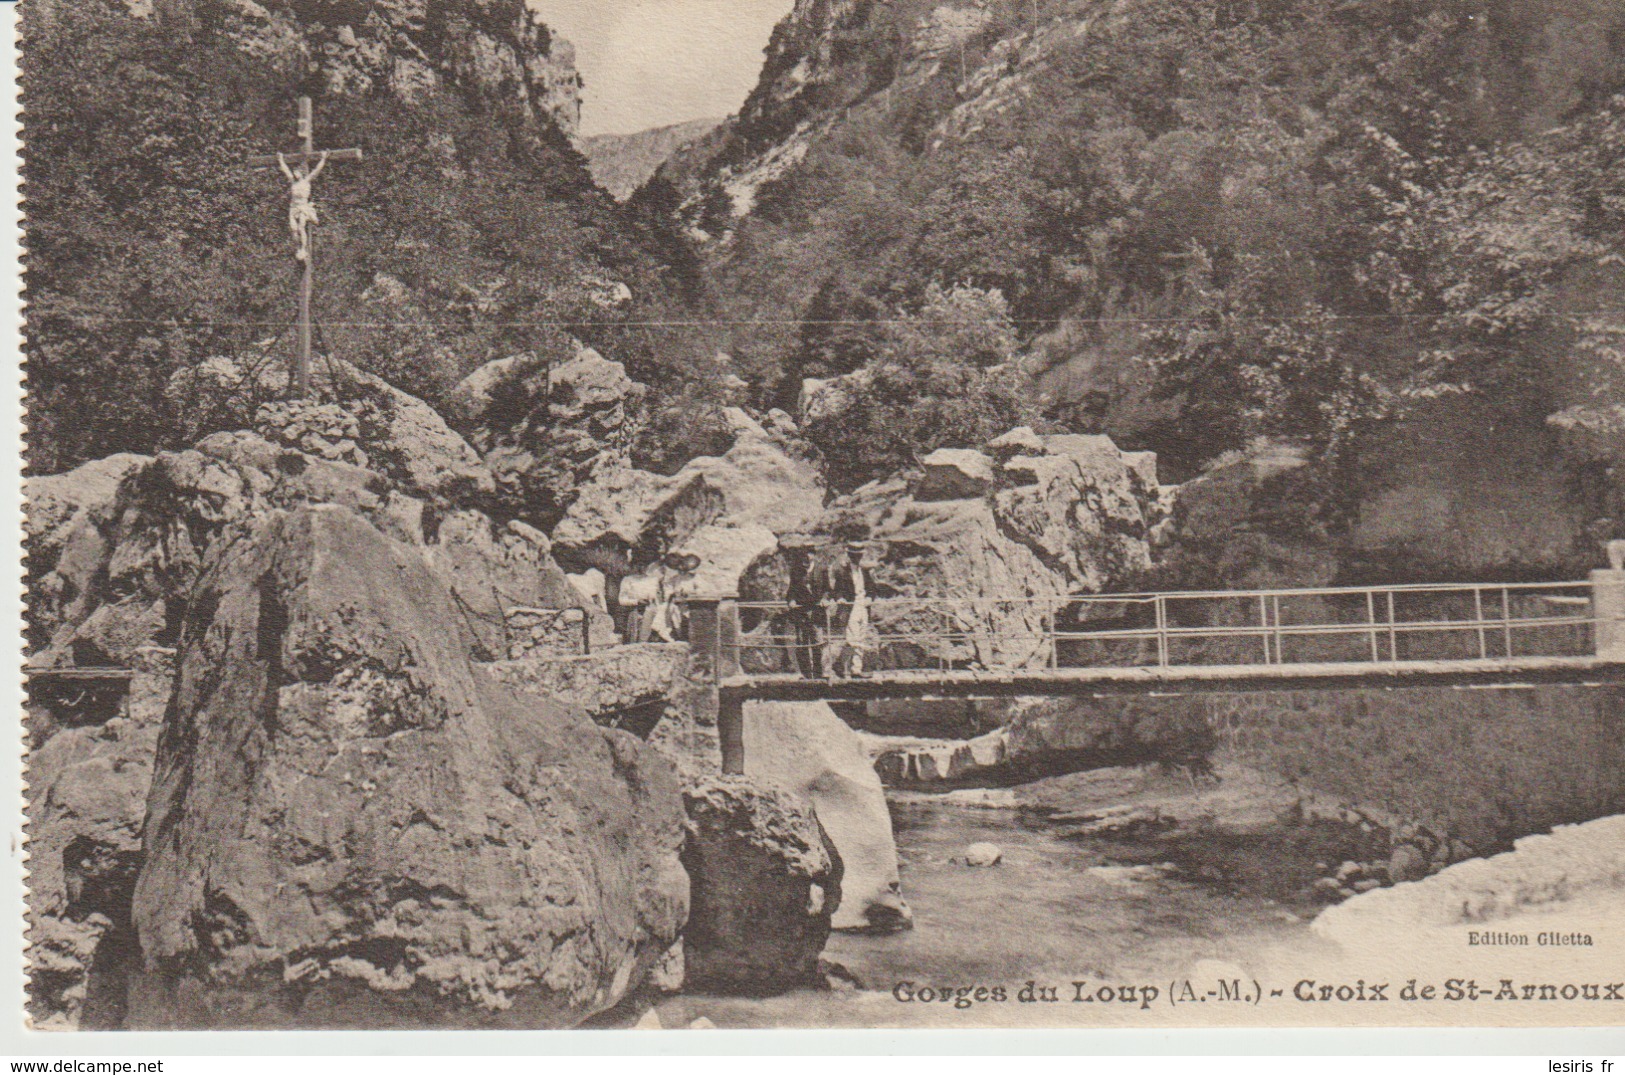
(1148,876)
(1128,900)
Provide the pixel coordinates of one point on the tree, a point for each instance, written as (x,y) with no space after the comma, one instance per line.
(943,377)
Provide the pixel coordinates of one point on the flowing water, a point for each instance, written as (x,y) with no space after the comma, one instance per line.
(1060,907)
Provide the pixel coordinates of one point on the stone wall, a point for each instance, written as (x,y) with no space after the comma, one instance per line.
(1484,766)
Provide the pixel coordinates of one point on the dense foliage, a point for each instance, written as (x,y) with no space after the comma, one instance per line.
(467,235)
(938,379)
(1212,222)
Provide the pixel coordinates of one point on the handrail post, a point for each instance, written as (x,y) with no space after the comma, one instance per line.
(1608,613)
(1275,607)
(1162,631)
(1264,625)
(1371,618)
(1478,614)
(1506,618)
(728,639)
(1393,630)
(704,641)
(731,734)
(730,708)
(1054,641)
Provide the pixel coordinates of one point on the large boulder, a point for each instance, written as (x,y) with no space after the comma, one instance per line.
(351,825)
(723,513)
(120,569)
(87,802)
(545,427)
(759,480)
(955,474)
(763,889)
(57,501)
(822,399)
(1083,505)
(806,749)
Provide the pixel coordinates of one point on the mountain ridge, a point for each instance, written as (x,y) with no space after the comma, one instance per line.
(621,163)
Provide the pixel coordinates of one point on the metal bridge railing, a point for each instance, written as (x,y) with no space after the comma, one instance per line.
(1337,625)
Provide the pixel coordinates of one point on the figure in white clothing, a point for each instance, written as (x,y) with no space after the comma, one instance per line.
(857,621)
(301,206)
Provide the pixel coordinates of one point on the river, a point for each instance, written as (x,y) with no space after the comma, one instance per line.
(1063,905)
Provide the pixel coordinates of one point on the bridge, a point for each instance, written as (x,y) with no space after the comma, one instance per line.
(1470,635)
(1222,641)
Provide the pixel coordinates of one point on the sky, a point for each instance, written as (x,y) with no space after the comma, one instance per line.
(650,63)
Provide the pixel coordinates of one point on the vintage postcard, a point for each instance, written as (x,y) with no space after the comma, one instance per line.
(823,513)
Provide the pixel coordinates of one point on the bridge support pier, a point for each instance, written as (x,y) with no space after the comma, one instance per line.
(713,655)
(731,733)
(1608,610)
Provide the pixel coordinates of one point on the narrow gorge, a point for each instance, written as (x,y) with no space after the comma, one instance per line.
(978,330)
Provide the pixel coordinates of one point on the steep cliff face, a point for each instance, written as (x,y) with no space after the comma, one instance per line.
(1529,64)
(497,49)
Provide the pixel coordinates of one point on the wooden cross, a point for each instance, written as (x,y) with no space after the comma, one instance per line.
(305,164)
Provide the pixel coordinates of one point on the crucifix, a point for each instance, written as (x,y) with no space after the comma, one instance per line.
(302,168)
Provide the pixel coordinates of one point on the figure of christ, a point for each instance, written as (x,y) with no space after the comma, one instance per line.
(301,207)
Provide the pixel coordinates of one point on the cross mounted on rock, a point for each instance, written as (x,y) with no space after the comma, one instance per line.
(302,167)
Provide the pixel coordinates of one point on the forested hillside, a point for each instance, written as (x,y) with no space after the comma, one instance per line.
(1384,236)
(471,232)
(1387,232)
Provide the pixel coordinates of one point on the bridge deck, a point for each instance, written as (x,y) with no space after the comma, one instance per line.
(1206,679)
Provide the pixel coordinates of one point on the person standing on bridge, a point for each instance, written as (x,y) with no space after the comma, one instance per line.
(858,634)
(802,595)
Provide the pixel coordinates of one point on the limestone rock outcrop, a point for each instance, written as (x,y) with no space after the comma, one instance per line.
(544,428)
(1063,515)
(390,431)
(58,504)
(57,501)
(723,513)
(497,573)
(87,802)
(122,573)
(609,684)
(805,748)
(1045,737)
(955,474)
(763,889)
(496,50)
(351,825)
